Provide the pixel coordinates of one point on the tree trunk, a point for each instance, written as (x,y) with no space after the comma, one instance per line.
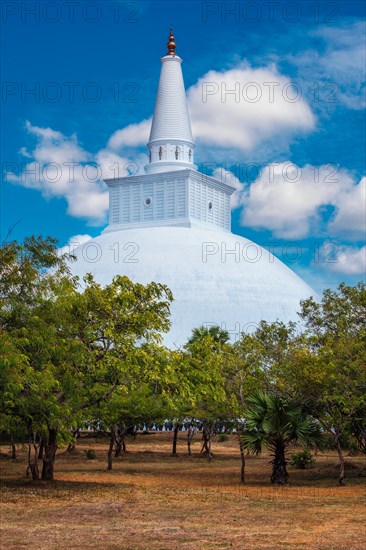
(120,443)
(118,449)
(49,455)
(111,447)
(33,467)
(190,435)
(41,449)
(209,454)
(13,451)
(206,435)
(242,457)
(33,462)
(279,472)
(72,446)
(341,461)
(175,439)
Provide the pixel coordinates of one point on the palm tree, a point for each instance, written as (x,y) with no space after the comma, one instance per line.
(274,422)
(218,335)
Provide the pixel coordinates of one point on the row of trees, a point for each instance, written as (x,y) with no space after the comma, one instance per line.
(79,354)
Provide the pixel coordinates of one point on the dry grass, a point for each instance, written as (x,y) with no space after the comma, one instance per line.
(152,500)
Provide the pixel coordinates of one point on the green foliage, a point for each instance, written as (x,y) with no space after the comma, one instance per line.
(274,422)
(302,459)
(329,368)
(73,351)
(90,454)
(65,349)
(219,336)
(222,438)
(271,419)
(206,361)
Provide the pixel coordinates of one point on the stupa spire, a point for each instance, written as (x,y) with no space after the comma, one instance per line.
(171,145)
(171,45)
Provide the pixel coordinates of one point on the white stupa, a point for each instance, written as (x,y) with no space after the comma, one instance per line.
(173,225)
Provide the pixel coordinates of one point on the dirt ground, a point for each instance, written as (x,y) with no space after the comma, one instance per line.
(152,500)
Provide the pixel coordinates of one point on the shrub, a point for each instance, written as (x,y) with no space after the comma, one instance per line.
(222,438)
(301,460)
(90,454)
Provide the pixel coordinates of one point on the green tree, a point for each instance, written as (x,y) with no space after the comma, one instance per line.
(144,399)
(29,274)
(325,368)
(275,423)
(13,366)
(274,347)
(244,375)
(207,353)
(218,335)
(78,344)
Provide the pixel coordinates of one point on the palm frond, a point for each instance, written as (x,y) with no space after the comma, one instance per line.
(253,441)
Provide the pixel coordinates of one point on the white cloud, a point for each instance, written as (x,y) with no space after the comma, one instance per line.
(133,135)
(289,200)
(286,199)
(350,261)
(73,243)
(222,119)
(46,133)
(23,151)
(228,177)
(55,147)
(262,108)
(60,167)
(351,214)
(279,201)
(337,71)
(113,165)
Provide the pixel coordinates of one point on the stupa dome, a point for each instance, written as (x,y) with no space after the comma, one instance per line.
(216,278)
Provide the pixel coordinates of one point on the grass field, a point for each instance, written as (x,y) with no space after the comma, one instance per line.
(152,500)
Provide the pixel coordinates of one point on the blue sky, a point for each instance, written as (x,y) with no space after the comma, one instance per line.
(297,160)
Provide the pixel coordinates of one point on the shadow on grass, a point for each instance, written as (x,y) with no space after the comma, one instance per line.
(63,488)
